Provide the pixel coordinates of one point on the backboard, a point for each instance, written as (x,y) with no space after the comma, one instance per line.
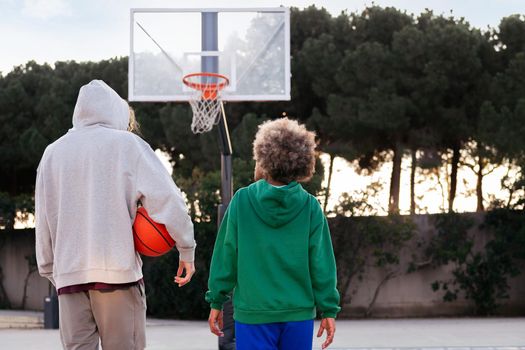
(251,47)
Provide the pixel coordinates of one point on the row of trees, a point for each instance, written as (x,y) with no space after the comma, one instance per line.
(375,85)
(389,84)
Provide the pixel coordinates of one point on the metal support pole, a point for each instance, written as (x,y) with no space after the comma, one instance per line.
(226,165)
(210,42)
(211,64)
(227,342)
(225,147)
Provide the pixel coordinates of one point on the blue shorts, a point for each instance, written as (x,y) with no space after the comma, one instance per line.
(275,336)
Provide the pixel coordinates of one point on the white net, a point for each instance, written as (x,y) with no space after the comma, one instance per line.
(206,101)
(206,112)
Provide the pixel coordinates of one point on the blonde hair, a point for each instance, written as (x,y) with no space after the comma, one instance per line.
(133,124)
(285,150)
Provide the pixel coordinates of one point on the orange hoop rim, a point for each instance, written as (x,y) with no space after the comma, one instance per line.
(206,87)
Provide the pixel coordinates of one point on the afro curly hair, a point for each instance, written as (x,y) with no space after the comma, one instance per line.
(285,150)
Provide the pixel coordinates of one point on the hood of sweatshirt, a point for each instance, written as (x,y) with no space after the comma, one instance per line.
(276,206)
(97,103)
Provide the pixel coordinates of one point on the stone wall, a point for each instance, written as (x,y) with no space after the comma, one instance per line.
(15,246)
(411,295)
(406,295)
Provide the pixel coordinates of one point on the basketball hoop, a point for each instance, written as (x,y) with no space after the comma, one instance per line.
(206,100)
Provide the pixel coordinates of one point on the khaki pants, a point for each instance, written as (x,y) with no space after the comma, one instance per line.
(117,318)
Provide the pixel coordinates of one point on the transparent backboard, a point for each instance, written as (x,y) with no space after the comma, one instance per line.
(251,47)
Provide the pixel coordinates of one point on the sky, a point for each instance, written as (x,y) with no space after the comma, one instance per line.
(53,30)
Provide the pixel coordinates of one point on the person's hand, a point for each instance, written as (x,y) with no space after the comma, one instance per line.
(327,324)
(189,267)
(215,322)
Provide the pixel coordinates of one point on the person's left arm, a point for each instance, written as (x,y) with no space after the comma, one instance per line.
(323,274)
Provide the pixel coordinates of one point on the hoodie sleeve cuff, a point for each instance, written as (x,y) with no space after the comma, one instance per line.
(186,254)
(329,315)
(216,306)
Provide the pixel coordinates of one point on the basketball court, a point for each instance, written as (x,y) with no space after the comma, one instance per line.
(420,334)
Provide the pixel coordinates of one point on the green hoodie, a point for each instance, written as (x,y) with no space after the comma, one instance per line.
(274,251)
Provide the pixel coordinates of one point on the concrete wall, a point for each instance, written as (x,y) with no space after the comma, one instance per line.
(14,247)
(411,295)
(407,295)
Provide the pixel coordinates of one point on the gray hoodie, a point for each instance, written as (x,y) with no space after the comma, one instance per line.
(87,188)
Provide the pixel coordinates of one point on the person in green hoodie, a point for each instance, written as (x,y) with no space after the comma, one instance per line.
(274,251)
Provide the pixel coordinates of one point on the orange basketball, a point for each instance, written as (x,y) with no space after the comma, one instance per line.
(151,238)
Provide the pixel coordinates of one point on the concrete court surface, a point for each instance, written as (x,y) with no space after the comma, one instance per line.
(425,334)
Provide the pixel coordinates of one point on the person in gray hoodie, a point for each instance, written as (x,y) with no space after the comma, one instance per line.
(88,185)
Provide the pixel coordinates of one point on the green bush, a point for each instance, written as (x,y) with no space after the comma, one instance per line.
(361,242)
(482,276)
